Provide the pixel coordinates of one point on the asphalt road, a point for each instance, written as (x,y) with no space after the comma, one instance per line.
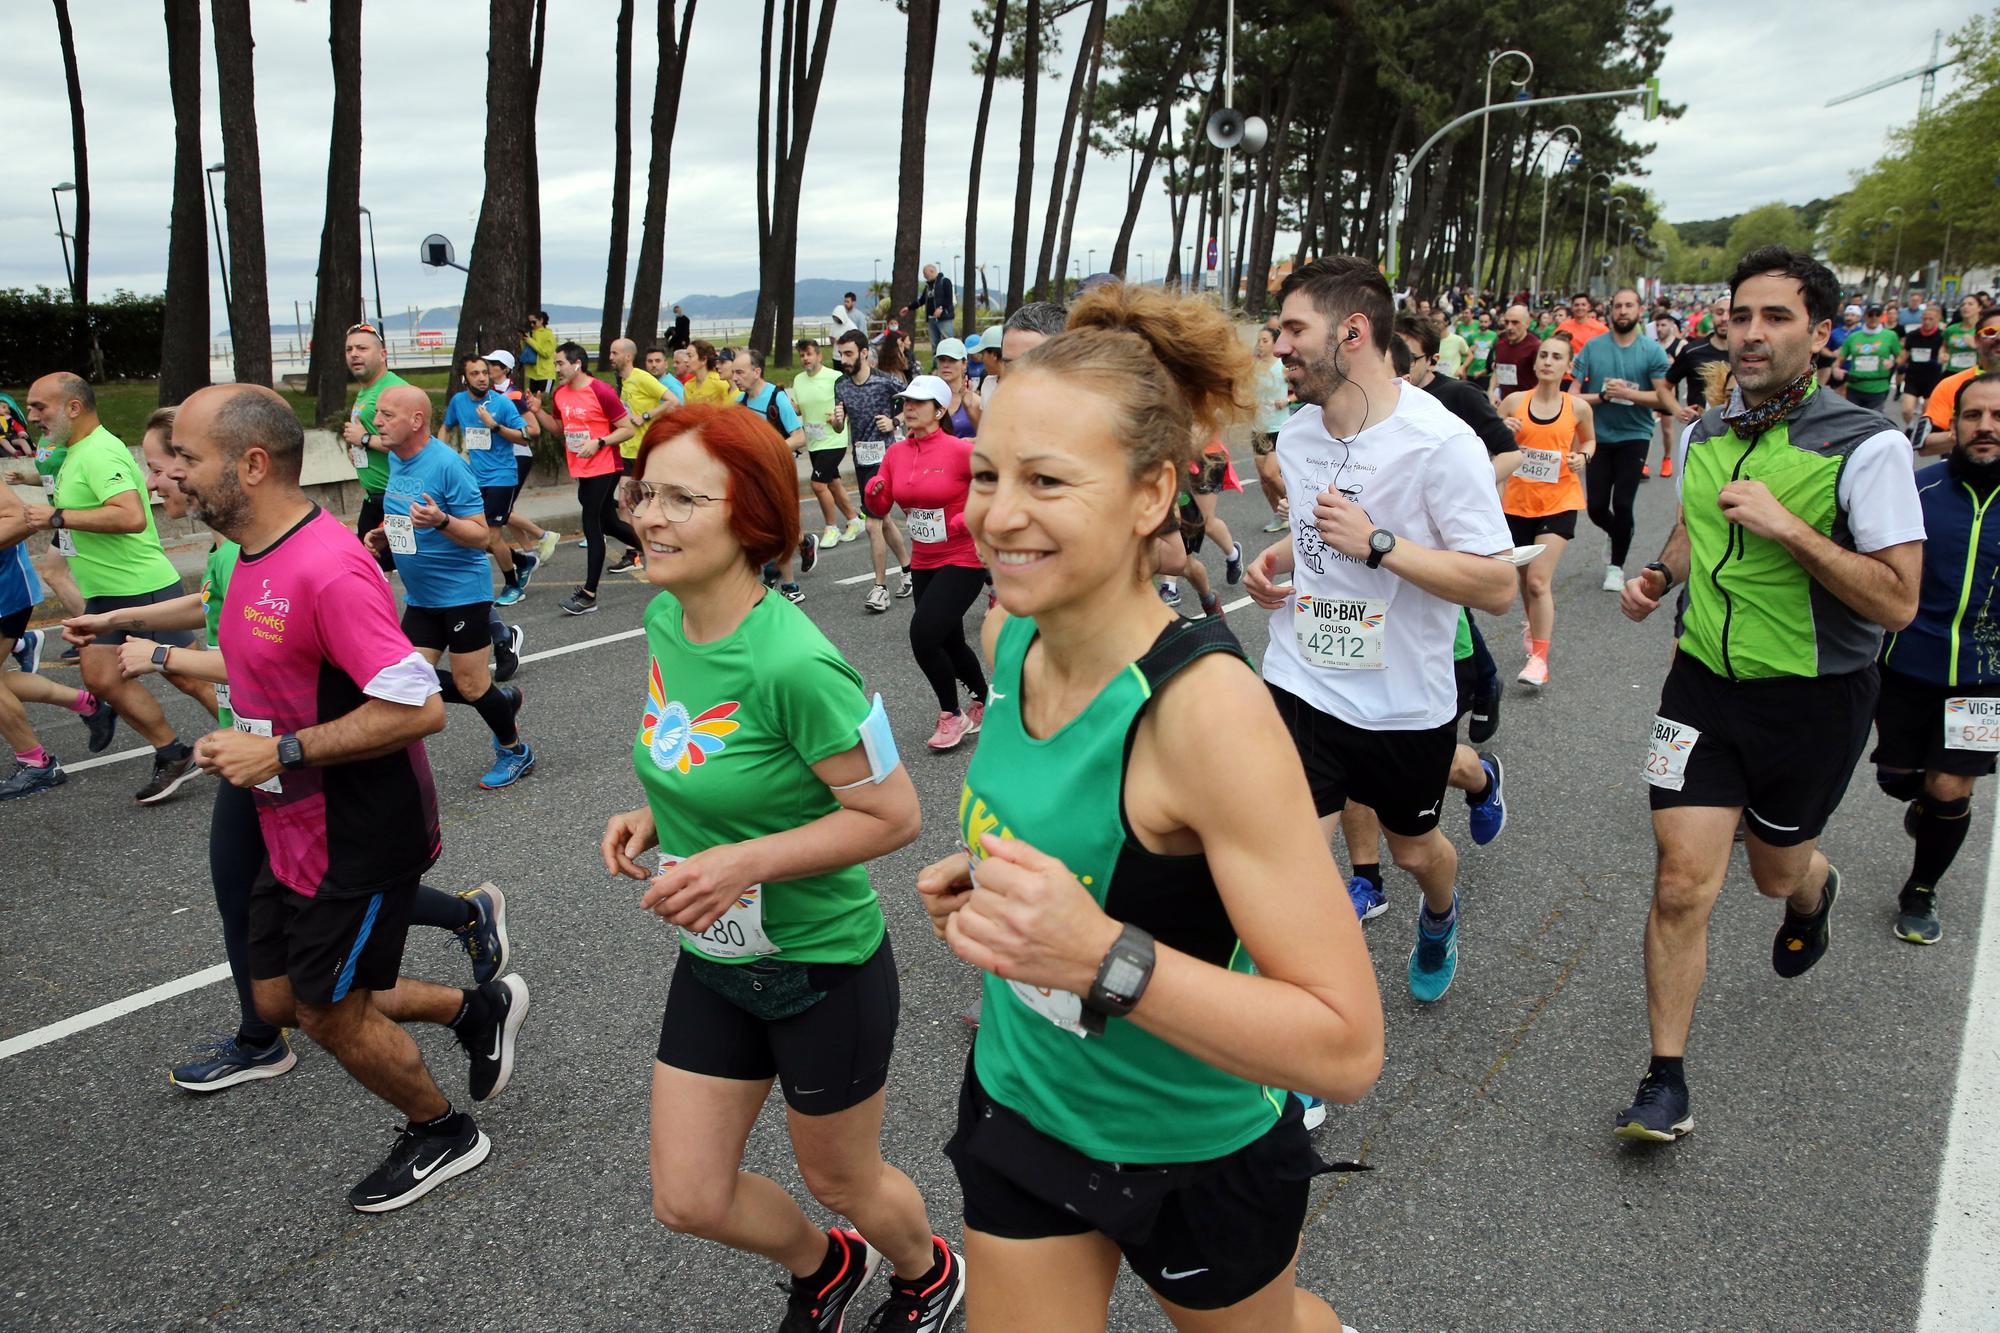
(1498,1197)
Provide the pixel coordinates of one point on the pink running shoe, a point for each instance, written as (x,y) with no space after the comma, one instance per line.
(975,716)
(1535,673)
(951,729)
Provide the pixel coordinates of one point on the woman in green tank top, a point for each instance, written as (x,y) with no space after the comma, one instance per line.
(1164,934)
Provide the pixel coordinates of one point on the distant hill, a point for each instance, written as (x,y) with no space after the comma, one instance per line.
(811,297)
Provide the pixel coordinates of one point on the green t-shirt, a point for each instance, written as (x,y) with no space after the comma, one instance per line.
(109,564)
(1870,357)
(1453,353)
(1461,641)
(374,474)
(1961,352)
(813,396)
(214,588)
(725,749)
(1482,350)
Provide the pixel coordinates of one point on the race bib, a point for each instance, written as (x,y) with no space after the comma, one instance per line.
(1867,365)
(1504,374)
(1337,634)
(868,453)
(925,525)
(814,434)
(1920,354)
(357,456)
(1061,1007)
(1542,466)
(275,786)
(1963,360)
(65,544)
(402,533)
(1972,724)
(576,441)
(738,932)
(49,487)
(1667,759)
(478,437)
(222,697)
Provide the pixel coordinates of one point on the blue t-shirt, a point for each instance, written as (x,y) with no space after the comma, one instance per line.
(492,466)
(437,571)
(19,588)
(1639,365)
(788,416)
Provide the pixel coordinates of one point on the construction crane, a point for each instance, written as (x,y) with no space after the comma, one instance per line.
(1927,72)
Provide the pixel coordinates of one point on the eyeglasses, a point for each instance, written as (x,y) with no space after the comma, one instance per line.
(1989,330)
(676,502)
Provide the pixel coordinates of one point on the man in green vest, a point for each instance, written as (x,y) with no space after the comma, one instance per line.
(1800,539)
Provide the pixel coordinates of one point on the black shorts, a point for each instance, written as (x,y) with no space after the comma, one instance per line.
(1193,526)
(1204,1235)
(1909,727)
(498,502)
(524,464)
(826,465)
(176,638)
(833,1056)
(1401,775)
(1867,398)
(1527,531)
(863,474)
(632,466)
(15,623)
(456,629)
(1207,473)
(1465,675)
(327,947)
(1781,749)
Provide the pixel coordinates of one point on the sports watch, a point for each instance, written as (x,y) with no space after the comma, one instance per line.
(56,519)
(291,754)
(1666,575)
(160,655)
(1121,978)
(1380,543)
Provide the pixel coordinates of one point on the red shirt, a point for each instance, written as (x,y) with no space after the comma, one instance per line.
(928,476)
(588,414)
(1581,331)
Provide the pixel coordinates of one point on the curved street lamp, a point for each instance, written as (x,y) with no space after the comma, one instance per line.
(1583,228)
(55,196)
(1611,201)
(1575,139)
(1896,264)
(1485,136)
(221,258)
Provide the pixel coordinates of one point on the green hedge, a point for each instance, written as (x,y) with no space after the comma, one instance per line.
(41,331)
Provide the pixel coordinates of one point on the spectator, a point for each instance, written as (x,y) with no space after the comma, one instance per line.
(936,301)
(846,316)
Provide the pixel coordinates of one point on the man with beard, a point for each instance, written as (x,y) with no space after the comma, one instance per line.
(862,403)
(1799,512)
(368,362)
(1623,376)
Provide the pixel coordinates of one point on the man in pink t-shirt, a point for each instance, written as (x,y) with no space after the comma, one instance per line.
(589,419)
(331,705)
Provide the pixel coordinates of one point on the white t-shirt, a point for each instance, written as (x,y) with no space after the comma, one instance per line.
(1877,488)
(844,319)
(1424,476)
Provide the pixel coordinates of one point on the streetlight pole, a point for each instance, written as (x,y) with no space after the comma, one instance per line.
(221,259)
(1574,136)
(375,266)
(1583,229)
(1873,233)
(1896,264)
(1611,201)
(1228,154)
(1091,264)
(69,274)
(1485,137)
(878,279)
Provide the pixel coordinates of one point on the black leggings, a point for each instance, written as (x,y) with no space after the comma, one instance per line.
(598,497)
(366,521)
(1611,483)
(937,631)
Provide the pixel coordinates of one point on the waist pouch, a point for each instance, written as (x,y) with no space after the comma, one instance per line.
(771,988)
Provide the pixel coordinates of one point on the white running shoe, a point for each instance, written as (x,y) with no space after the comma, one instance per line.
(830,536)
(877,598)
(1614,579)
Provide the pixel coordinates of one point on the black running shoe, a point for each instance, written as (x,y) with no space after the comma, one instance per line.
(490,1044)
(418,1164)
(505,661)
(1659,1114)
(629,560)
(578,603)
(1802,940)
(102,721)
(1917,918)
(770,574)
(169,774)
(808,552)
(1485,718)
(926,1308)
(818,1307)
(484,938)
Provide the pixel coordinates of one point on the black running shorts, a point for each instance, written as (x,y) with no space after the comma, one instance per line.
(328,947)
(1401,775)
(1909,728)
(1528,531)
(833,1056)
(457,629)
(826,465)
(1781,749)
(15,623)
(498,502)
(173,638)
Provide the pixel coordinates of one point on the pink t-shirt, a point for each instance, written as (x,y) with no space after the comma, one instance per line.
(929,477)
(589,414)
(307,625)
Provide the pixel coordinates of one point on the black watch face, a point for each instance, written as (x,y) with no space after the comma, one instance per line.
(1123,976)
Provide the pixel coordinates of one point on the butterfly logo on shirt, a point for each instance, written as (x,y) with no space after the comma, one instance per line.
(673,738)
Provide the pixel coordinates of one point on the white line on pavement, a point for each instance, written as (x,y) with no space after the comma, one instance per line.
(104,1013)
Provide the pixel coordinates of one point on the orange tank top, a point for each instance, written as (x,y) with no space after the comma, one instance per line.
(1544,483)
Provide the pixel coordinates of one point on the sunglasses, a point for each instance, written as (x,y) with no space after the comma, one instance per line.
(369,329)
(1989,330)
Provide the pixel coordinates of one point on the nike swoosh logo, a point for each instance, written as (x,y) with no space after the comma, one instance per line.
(420,1173)
(1175,1277)
(497,1032)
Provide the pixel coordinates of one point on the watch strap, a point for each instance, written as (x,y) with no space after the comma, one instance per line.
(1665,573)
(1132,950)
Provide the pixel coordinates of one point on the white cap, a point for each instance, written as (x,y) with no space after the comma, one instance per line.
(504,358)
(950,347)
(1854,310)
(928,388)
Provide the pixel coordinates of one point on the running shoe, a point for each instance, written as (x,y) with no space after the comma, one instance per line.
(525,565)
(1645,472)
(1434,960)
(490,1041)
(877,598)
(581,544)
(808,553)
(855,527)
(1367,896)
(950,731)
(579,603)
(1659,1114)
(1917,918)
(1667,466)
(1315,1113)
(102,720)
(223,1062)
(517,638)
(907,586)
(626,562)
(26,779)
(1801,940)
(1232,569)
(506,660)
(793,593)
(829,536)
(509,595)
(545,546)
(975,716)
(1170,593)
(1614,579)
(1278,523)
(418,1164)
(71,654)
(819,1308)
(509,766)
(484,938)
(1488,815)
(1535,672)
(170,773)
(1485,718)
(28,651)
(1211,605)
(925,1309)
(770,574)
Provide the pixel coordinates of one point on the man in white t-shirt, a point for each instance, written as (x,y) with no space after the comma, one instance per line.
(1394,518)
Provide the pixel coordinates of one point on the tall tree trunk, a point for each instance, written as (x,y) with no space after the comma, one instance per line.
(1187,47)
(1382,198)
(1081,155)
(1265,239)
(1239,275)
(920,55)
(644,320)
(621,191)
(339,299)
(967,302)
(531,173)
(1093,33)
(1024,176)
(243,191)
(184,342)
(496,289)
(801,72)
(1436,187)
(80,224)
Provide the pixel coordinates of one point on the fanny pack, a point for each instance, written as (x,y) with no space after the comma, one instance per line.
(771,988)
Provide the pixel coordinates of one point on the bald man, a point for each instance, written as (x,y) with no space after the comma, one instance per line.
(1514,354)
(434,528)
(644,394)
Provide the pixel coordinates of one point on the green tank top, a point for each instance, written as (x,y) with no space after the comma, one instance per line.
(1125,1095)
(214,588)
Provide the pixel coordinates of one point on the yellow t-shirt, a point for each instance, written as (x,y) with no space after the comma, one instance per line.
(710,388)
(543,340)
(642,393)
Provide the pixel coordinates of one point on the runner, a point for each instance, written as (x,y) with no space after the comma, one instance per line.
(1514,353)
(1961,337)
(435,531)
(1541,500)
(35,769)
(1209,474)
(1870,358)
(1028,328)
(1484,337)
(815,391)
(645,396)
(1453,352)
(845,316)
(863,401)
(99,514)
(1132,1030)
(772,403)
(476,415)
(368,362)
(589,419)
(927,473)
(1798,509)
(1582,323)
(1937,723)
(965,406)
(1688,371)
(1986,359)
(1923,345)
(992,356)
(500,368)
(1394,512)
(1273,404)
(709,385)
(657,365)
(329,682)
(796,979)
(1667,333)
(1623,376)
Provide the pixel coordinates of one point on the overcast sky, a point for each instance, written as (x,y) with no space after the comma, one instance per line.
(1754,78)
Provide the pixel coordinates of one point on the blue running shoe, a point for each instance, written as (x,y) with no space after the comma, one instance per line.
(1368,899)
(1434,961)
(28,651)
(509,766)
(221,1063)
(26,781)
(525,565)
(1489,816)
(484,938)
(1315,1115)
(509,595)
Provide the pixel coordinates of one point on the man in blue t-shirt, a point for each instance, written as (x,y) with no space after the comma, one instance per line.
(434,529)
(486,424)
(1623,375)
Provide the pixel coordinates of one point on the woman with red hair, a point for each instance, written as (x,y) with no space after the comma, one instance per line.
(770,783)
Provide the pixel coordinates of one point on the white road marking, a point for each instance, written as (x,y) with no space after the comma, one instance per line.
(104,1013)
(567,648)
